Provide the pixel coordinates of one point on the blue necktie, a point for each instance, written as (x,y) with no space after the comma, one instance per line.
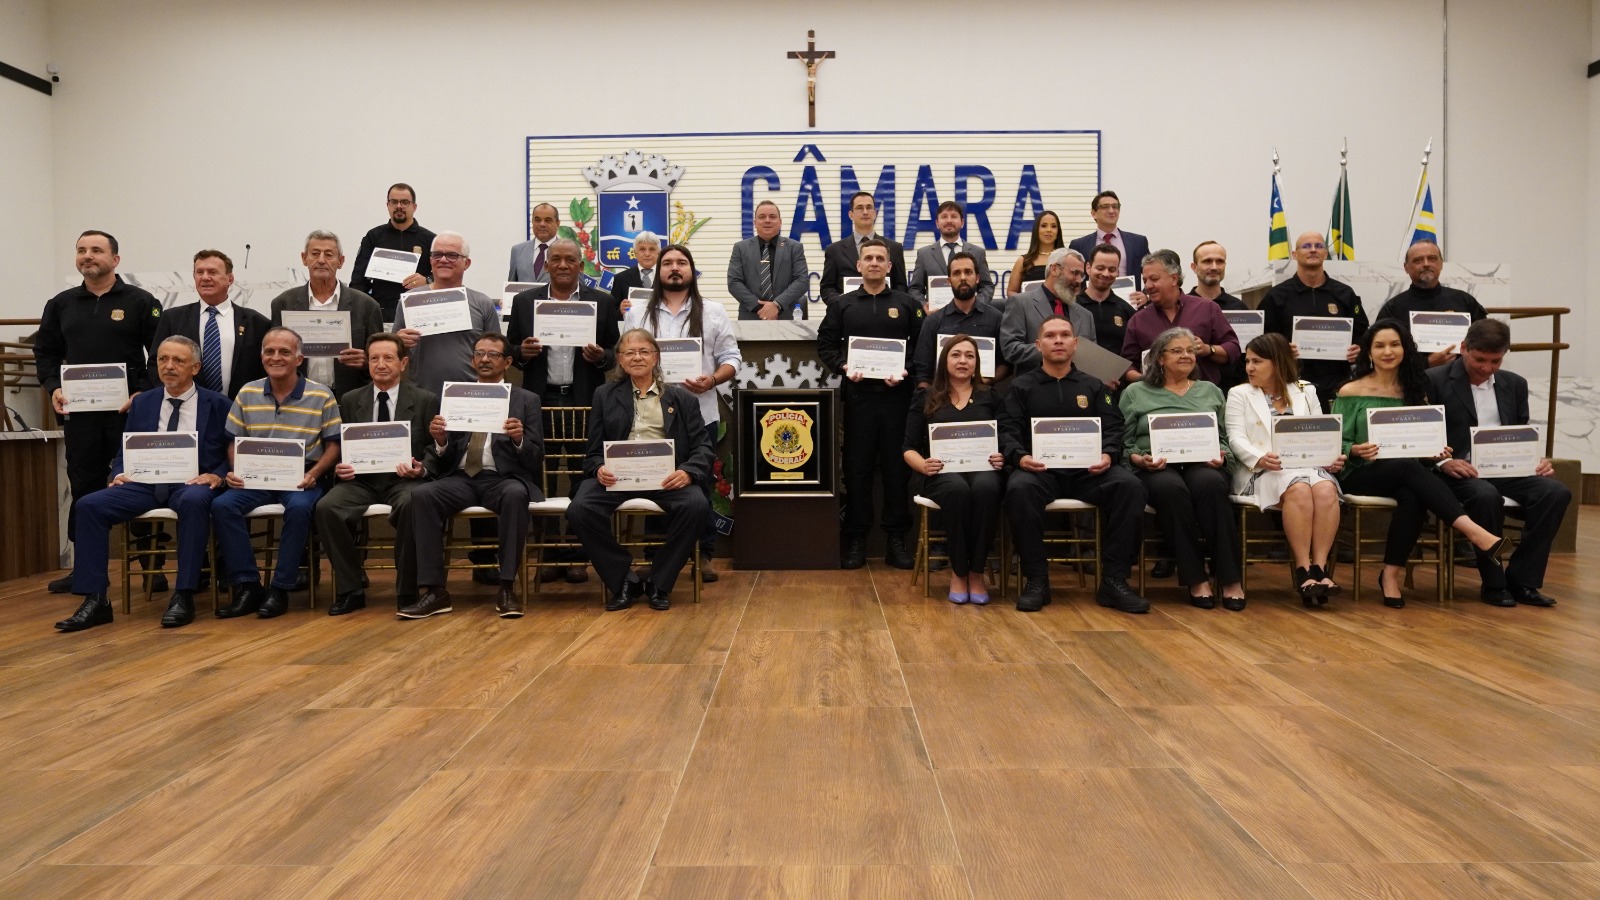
(211,353)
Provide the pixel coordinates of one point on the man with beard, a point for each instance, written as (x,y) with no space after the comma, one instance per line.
(1310,292)
(968,313)
(401,232)
(1426,294)
(323,257)
(1111,312)
(1063,275)
(934,259)
(229,335)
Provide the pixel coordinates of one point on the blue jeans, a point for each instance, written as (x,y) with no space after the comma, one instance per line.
(233,533)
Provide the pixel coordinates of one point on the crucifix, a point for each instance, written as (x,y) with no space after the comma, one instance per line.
(813,58)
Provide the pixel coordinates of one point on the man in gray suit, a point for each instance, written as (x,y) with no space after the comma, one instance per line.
(1024,313)
(768,273)
(437,358)
(934,260)
(323,258)
(341,511)
(528,257)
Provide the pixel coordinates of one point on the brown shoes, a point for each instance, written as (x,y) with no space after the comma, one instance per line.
(432,602)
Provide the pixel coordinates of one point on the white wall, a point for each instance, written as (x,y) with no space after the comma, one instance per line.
(28,255)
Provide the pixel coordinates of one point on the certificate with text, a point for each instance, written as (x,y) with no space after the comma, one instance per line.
(565,323)
(270,464)
(322,334)
(964,446)
(1507,451)
(1067,442)
(392,265)
(375,447)
(876,357)
(853,283)
(1185,437)
(1407,431)
(1248,324)
(939,293)
(639,296)
(473,406)
(437,312)
(1322,337)
(1435,331)
(681,359)
(161,457)
(639,465)
(510,292)
(1306,441)
(986,352)
(95,387)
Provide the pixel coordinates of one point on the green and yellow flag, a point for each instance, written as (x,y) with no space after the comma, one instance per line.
(1277,226)
(1341,236)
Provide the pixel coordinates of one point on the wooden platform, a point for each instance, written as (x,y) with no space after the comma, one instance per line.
(811,735)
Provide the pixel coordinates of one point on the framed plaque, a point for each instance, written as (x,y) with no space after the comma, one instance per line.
(787,441)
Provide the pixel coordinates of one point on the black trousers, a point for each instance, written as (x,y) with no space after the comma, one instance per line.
(1544,503)
(1417,490)
(874,438)
(1191,502)
(93,440)
(590,517)
(969,506)
(341,512)
(433,504)
(1119,496)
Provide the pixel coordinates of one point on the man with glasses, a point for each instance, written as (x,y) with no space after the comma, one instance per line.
(1107,210)
(437,358)
(1310,292)
(400,232)
(840,260)
(1215,346)
(323,257)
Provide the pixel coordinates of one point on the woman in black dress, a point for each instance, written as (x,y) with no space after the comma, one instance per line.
(1030,266)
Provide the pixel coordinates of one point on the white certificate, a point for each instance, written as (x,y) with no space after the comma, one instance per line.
(1305,441)
(392,265)
(986,354)
(636,296)
(1069,442)
(510,292)
(1184,437)
(1124,284)
(95,387)
(565,323)
(375,446)
(1407,431)
(269,464)
(322,334)
(853,283)
(1026,285)
(1507,451)
(1248,324)
(1322,337)
(437,312)
(939,292)
(964,446)
(1435,331)
(160,457)
(681,359)
(639,465)
(876,357)
(472,406)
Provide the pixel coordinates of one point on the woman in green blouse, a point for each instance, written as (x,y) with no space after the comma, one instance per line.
(1190,499)
(1390,372)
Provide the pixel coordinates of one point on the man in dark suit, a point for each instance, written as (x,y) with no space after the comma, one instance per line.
(641,407)
(767,273)
(1107,209)
(181,406)
(563,376)
(934,260)
(839,260)
(323,258)
(529,258)
(342,510)
(642,274)
(500,472)
(1476,392)
(1057,296)
(230,336)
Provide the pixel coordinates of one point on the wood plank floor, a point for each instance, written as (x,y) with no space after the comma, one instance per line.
(811,735)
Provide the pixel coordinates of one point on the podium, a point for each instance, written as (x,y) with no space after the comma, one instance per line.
(786,499)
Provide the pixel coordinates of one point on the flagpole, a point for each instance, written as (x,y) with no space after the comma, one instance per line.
(1416,203)
(1344,198)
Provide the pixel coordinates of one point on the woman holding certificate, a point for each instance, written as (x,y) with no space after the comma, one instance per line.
(1390,373)
(952,444)
(1172,433)
(1287,476)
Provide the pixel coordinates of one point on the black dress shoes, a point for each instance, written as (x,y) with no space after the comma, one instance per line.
(1528,596)
(1233,604)
(1497,597)
(180,610)
(276,604)
(896,554)
(486,576)
(660,600)
(431,603)
(96,610)
(624,596)
(577,574)
(62,585)
(507,603)
(548,574)
(247,598)
(1163,568)
(855,553)
(348,602)
(1035,595)
(1117,594)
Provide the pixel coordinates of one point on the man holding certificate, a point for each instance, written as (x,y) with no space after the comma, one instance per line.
(1057,390)
(443,352)
(493,467)
(1310,293)
(876,395)
(1215,344)
(267,417)
(1480,399)
(934,260)
(1427,295)
(175,455)
(343,317)
(563,375)
(967,313)
(628,424)
(384,438)
(400,235)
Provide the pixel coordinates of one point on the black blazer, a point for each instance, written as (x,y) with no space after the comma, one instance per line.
(1450,387)
(524,464)
(586,376)
(249,327)
(624,281)
(611,419)
(366,320)
(414,405)
(839,263)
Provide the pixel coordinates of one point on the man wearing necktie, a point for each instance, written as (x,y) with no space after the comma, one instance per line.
(528,259)
(229,335)
(181,406)
(1107,211)
(841,259)
(642,274)
(767,273)
(934,259)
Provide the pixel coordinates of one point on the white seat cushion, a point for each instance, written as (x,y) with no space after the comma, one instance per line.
(378,509)
(639,505)
(157,515)
(476,511)
(1370,502)
(924,502)
(1065,505)
(554,507)
(262,512)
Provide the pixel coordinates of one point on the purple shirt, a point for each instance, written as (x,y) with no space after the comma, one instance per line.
(1197,314)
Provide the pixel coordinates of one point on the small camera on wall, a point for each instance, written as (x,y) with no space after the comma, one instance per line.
(55,72)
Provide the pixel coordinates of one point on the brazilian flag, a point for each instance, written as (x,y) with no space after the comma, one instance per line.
(1277,226)
(1341,236)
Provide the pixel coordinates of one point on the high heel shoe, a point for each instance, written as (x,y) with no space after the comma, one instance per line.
(1391,602)
(1493,553)
(1310,594)
(959,597)
(1319,575)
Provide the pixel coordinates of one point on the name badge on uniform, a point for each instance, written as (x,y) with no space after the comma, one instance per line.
(416,249)
(117,315)
(1117,321)
(1333,308)
(1083,402)
(894,312)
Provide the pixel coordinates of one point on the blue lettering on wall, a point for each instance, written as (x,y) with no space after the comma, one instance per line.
(882,196)
(811,149)
(923,196)
(809,215)
(977,209)
(1027,196)
(747,196)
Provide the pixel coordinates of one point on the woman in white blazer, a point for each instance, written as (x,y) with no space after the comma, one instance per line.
(1307,497)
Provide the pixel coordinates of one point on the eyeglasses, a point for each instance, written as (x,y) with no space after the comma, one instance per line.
(1178,351)
(1116,206)
(1310,246)
(447,257)
(402,202)
(487,354)
(637,354)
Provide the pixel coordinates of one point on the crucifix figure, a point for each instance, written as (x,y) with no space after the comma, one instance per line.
(812,58)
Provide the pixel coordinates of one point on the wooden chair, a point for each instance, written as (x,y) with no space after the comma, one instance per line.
(628,521)
(133,551)
(270,517)
(1362,508)
(566,430)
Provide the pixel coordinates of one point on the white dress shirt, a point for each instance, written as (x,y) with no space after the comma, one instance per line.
(226,330)
(320,369)
(188,413)
(1488,408)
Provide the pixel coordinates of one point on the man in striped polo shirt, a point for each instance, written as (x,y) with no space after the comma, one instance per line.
(284,405)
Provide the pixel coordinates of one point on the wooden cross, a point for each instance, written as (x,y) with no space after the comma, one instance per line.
(812,58)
